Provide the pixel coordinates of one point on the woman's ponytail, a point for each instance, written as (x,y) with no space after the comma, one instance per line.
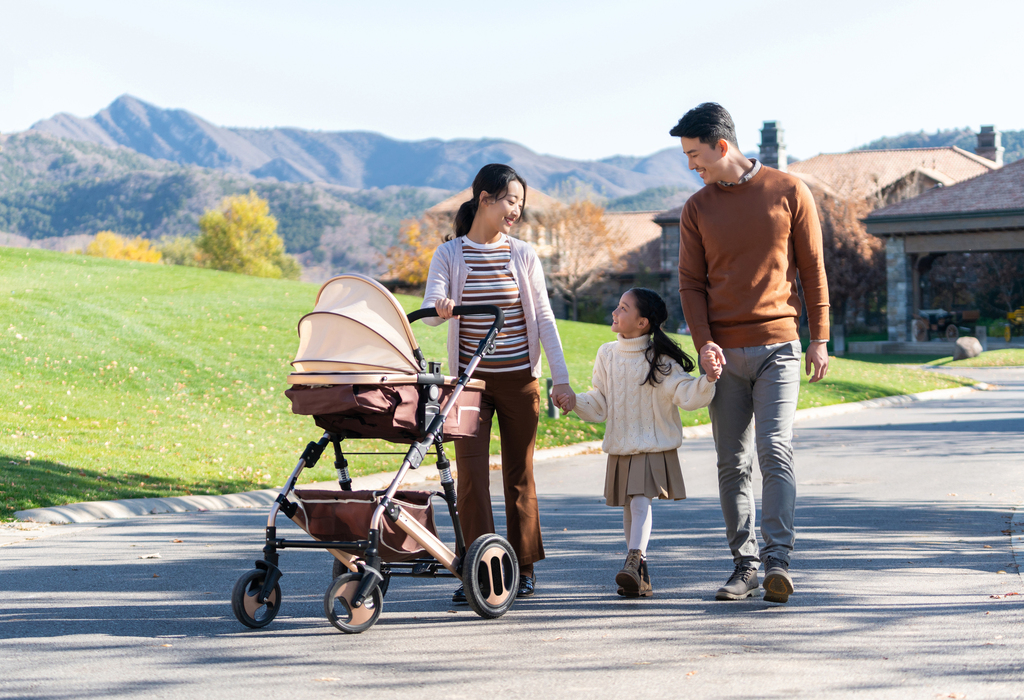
(464,217)
(651,306)
(493,179)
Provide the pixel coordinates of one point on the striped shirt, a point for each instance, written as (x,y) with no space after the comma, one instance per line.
(490,281)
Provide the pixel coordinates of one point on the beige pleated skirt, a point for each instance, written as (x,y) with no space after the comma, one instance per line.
(655,475)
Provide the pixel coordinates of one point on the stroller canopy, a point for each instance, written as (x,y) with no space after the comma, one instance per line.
(356,326)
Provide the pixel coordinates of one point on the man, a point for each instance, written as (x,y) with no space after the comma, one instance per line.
(744,238)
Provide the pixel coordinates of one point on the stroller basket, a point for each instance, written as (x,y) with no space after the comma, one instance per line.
(345,516)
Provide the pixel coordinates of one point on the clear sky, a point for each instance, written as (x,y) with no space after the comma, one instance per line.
(577,79)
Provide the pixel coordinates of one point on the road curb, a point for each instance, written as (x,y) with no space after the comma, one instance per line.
(140,507)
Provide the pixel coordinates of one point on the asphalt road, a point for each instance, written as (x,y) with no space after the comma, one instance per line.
(910,533)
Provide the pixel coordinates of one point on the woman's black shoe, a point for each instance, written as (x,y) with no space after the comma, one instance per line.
(526,584)
(459,596)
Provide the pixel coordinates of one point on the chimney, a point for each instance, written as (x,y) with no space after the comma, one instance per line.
(990,145)
(773,150)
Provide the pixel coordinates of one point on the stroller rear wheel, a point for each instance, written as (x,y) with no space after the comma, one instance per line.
(490,576)
(249,611)
(340,569)
(338,605)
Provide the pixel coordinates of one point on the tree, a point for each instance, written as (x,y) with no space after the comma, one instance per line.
(108,244)
(180,250)
(584,250)
(409,259)
(242,237)
(854,259)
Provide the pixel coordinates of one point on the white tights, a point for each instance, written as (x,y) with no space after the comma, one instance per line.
(636,522)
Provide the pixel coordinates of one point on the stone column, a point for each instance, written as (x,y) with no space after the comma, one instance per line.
(898,277)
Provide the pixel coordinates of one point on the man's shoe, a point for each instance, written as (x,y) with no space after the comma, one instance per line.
(526,586)
(778,584)
(459,596)
(628,577)
(742,584)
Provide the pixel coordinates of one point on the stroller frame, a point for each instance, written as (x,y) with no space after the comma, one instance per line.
(488,570)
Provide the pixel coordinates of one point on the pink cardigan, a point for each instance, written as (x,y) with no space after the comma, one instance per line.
(447,278)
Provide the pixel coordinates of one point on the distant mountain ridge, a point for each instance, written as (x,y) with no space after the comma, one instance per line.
(967,139)
(356,159)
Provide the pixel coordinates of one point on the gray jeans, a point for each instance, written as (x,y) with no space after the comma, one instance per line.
(754,405)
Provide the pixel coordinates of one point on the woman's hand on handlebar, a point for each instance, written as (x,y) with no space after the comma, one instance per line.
(444,308)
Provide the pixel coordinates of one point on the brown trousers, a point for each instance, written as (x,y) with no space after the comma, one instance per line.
(515,397)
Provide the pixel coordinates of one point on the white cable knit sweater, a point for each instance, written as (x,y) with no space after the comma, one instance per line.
(640,418)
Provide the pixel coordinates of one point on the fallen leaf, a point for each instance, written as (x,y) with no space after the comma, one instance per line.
(692,673)
(986,546)
(150,556)
(167,645)
(177,541)
(156,575)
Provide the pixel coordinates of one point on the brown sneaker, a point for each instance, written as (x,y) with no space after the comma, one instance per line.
(629,577)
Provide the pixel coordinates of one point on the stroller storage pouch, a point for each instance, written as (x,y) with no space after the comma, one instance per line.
(344,516)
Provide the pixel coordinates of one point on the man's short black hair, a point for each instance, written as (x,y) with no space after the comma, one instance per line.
(709,122)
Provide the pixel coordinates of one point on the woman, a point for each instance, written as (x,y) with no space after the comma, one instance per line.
(482,264)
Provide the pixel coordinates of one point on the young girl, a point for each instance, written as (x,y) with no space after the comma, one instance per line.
(639,380)
(482,264)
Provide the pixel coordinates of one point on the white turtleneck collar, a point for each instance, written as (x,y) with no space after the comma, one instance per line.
(633,344)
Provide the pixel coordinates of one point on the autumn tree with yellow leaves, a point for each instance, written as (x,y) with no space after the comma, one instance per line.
(409,260)
(241,236)
(584,250)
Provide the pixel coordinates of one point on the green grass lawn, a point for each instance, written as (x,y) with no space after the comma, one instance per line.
(1009,357)
(127,380)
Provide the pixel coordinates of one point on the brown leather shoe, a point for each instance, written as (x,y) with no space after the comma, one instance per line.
(629,577)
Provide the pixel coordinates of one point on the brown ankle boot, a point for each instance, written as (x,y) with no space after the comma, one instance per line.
(646,591)
(629,577)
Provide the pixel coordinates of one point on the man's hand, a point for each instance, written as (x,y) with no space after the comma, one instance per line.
(817,355)
(712,359)
(444,308)
(564,397)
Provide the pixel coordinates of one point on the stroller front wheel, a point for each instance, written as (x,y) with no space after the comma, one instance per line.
(338,605)
(340,569)
(490,576)
(249,611)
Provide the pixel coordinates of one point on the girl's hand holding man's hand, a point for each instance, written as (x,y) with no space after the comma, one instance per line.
(712,359)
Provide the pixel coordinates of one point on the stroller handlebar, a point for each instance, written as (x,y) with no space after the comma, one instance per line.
(478,310)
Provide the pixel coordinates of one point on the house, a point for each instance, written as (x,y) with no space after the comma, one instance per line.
(985,213)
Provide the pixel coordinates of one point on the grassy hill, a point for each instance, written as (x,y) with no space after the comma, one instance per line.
(128,380)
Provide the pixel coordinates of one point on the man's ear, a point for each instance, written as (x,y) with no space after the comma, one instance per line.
(723,147)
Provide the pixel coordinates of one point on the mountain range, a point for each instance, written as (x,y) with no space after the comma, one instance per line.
(356,159)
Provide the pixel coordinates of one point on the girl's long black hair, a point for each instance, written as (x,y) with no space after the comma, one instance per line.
(493,179)
(651,306)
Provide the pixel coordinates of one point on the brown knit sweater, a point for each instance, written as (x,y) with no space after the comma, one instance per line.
(740,249)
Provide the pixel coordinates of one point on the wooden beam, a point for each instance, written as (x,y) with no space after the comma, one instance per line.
(965,242)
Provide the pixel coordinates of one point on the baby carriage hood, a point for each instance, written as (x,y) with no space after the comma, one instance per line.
(356,326)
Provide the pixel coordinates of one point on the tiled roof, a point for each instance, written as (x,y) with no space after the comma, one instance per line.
(864,173)
(535,199)
(997,190)
(635,230)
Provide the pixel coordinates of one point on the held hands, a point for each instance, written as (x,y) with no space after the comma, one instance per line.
(444,308)
(563,397)
(712,359)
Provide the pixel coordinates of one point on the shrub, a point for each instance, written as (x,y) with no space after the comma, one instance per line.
(110,245)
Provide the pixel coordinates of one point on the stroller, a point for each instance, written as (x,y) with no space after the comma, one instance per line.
(360,374)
